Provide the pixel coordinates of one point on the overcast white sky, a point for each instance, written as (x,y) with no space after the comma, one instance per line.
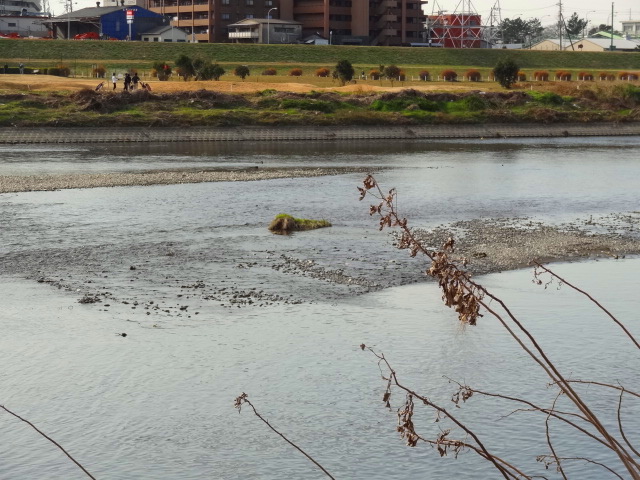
(595,11)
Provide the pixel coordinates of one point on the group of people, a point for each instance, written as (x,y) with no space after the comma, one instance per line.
(130,82)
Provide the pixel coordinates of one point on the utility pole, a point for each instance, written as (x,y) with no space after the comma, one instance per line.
(611,46)
(560,24)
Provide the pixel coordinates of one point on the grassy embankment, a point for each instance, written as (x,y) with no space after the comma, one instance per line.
(81,55)
(263,101)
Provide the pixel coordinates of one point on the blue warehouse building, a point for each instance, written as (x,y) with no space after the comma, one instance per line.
(107,22)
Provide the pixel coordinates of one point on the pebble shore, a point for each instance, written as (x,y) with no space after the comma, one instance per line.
(15,183)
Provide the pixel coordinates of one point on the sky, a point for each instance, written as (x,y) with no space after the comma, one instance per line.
(596,12)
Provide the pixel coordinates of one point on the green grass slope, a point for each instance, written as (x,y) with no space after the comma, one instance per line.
(66,50)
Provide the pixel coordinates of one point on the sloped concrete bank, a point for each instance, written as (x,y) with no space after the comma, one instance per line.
(307,133)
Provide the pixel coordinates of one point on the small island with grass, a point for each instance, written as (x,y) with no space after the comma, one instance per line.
(284,224)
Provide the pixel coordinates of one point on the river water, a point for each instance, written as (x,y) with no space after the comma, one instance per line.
(167,261)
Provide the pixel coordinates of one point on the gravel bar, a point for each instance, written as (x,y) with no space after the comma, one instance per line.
(16,183)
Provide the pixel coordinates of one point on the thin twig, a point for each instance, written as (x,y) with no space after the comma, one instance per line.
(624,437)
(600,306)
(553,450)
(243,399)
(541,458)
(442,410)
(50,439)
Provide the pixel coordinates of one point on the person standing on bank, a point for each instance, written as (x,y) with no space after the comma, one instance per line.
(127,81)
(135,79)
(114,79)
(21,67)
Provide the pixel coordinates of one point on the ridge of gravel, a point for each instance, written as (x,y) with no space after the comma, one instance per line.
(31,183)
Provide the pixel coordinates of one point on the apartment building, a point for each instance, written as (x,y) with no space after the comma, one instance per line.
(343,22)
(359,22)
(207,20)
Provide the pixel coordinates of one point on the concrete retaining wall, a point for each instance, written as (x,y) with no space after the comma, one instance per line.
(186,134)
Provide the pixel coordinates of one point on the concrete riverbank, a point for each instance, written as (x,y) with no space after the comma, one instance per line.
(312,133)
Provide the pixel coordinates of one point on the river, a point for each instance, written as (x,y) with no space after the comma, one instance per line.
(174,267)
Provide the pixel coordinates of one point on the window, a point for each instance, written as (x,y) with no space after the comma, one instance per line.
(268,3)
(249,2)
(225,16)
(225,2)
(249,15)
(12,24)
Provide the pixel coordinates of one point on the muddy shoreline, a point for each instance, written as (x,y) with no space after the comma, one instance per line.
(64,135)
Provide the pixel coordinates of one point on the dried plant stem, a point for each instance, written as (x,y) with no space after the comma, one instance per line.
(619,415)
(554,413)
(588,460)
(549,442)
(242,399)
(600,306)
(50,439)
(502,466)
(466,296)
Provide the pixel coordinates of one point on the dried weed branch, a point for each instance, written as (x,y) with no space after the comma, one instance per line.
(467,298)
(50,439)
(243,399)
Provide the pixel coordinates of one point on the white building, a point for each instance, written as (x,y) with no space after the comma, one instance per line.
(165,33)
(263,30)
(587,45)
(631,28)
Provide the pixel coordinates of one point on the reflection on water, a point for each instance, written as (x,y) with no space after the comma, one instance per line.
(99,158)
(158,404)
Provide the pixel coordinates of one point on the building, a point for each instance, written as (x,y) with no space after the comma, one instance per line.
(20,18)
(165,33)
(208,20)
(262,30)
(343,22)
(587,45)
(358,22)
(107,22)
(631,28)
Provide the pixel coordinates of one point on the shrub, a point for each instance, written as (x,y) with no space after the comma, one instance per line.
(375,74)
(242,71)
(606,76)
(269,71)
(99,71)
(323,72)
(473,75)
(344,71)
(60,70)
(563,76)
(184,67)
(474,103)
(521,77)
(424,75)
(628,76)
(295,72)
(449,75)
(392,72)
(161,70)
(541,75)
(506,72)
(585,76)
